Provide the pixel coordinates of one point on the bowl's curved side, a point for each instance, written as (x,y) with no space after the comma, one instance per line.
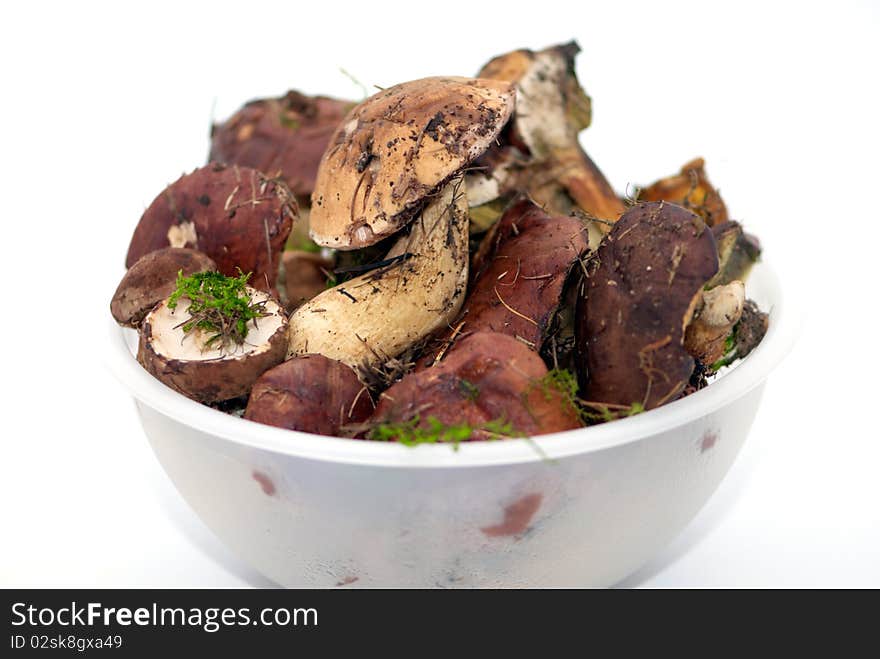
(585,520)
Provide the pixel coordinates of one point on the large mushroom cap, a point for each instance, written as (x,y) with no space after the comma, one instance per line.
(285,136)
(398,147)
(644,284)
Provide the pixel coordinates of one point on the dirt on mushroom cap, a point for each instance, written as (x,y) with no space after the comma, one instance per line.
(398,147)
(235,215)
(643,285)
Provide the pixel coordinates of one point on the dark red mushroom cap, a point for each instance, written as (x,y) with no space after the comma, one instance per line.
(643,284)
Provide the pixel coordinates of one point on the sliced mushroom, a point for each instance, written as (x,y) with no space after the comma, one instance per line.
(690,188)
(396,149)
(378,315)
(280,136)
(151,279)
(545,157)
(490,379)
(309,393)
(187,363)
(235,215)
(644,284)
(519,274)
(718,311)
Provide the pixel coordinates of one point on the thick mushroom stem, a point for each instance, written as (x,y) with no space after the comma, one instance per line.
(716,315)
(378,315)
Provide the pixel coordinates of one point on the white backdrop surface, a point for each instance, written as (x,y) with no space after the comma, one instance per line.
(102,105)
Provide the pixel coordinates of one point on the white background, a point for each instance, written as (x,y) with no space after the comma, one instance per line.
(102,106)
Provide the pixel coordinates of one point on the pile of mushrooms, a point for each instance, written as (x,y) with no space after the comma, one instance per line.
(440,262)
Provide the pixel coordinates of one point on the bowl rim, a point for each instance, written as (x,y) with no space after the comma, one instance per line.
(737,382)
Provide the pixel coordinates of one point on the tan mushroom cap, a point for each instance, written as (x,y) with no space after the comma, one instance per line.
(398,147)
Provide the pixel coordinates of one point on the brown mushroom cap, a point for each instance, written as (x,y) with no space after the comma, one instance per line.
(210,375)
(397,148)
(643,286)
(519,274)
(235,215)
(310,393)
(151,279)
(280,136)
(490,377)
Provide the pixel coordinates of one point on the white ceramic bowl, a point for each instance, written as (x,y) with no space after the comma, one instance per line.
(580,508)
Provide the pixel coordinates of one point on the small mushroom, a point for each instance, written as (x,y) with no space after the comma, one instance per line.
(235,215)
(543,155)
(280,136)
(644,284)
(310,393)
(398,148)
(151,279)
(690,188)
(189,362)
(491,378)
(419,289)
(519,273)
(718,311)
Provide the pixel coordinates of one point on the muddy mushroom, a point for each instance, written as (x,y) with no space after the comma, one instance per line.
(396,149)
(235,215)
(151,279)
(213,337)
(490,380)
(284,136)
(543,155)
(310,393)
(644,284)
(419,289)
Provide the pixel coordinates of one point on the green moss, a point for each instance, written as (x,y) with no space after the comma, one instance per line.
(413,433)
(605,413)
(218,305)
(468,389)
(730,355)
(558,381)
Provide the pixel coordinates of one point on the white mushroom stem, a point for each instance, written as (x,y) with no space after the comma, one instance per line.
(720,311)
(380,314)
